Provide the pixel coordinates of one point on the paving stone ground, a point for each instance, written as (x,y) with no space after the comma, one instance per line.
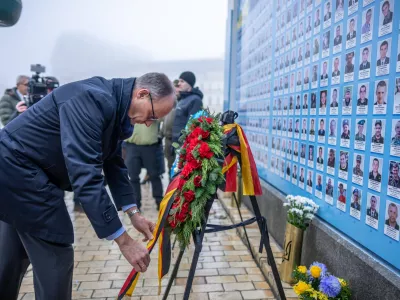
(226,270)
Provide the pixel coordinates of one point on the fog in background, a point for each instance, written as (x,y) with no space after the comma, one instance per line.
(75,39)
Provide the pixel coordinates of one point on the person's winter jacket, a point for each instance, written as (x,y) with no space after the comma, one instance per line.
(7,106)
(189,104)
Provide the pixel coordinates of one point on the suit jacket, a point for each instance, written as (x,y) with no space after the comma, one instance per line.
(388,19)
(367,66)
(337,40)
(327,16)
(372,214)
(64,142)
(349,37)
(385,61)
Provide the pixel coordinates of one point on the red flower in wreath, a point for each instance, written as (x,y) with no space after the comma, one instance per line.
(208,120)
(197,181)
(190,157)
(199,132)
(189,196)
(194,165)
(205,134)
(181,216)
(185,208)
(205,151)
(186,170)
(181,184)
(172,222)
(193,143)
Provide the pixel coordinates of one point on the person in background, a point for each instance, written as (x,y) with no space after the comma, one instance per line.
(166,131)
(13,102)
(191,101)
(142,151)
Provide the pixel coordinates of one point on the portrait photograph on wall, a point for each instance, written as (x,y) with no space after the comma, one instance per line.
(392,220)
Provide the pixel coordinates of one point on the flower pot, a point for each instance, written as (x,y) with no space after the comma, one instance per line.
(291,252)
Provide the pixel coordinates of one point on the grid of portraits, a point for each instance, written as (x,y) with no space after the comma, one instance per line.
(318,93)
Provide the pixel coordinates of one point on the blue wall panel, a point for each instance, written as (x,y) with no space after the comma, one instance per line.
(286,56)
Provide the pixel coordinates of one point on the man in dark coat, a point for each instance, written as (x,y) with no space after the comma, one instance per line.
(65,142)
(13,101)
(191,101)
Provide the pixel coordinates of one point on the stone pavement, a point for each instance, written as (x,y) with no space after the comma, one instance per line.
(225,270)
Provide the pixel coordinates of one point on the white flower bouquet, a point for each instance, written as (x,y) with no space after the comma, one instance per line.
(301,211)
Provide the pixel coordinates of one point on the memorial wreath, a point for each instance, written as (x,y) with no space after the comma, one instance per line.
(200,175)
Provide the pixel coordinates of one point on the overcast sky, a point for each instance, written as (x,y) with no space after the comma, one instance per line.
(164,29)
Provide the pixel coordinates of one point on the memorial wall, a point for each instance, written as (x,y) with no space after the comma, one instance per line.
(317,88)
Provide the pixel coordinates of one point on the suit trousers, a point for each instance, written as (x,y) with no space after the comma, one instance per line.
(169,154)
(143,156)
(52,265)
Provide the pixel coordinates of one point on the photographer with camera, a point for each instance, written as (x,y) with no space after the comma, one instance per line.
(13,103)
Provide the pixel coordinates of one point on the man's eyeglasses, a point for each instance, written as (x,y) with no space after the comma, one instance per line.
(153,117)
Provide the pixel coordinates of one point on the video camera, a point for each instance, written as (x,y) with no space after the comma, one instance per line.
(40,86)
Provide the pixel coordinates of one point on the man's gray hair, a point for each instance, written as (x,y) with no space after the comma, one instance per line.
(21,79)
(158,84)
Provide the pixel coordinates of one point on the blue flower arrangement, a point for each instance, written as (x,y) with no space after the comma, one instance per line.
(316,283)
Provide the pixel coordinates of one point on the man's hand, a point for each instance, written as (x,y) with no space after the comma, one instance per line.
(21,106)
(135,253)
(144,226)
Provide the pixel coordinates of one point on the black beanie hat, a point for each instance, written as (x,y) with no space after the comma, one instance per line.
(188,77)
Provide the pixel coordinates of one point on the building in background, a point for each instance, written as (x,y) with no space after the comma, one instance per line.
(71,63)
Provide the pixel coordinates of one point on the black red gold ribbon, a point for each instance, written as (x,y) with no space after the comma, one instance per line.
(161,234)
(251,181)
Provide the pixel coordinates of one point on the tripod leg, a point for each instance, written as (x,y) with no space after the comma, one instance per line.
(198,240)
(244,227)
(270,255)
(173,245)
(174,273)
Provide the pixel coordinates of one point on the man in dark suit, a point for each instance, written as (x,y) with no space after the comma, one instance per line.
(365,64)
(328,13)
(65,142)
(383,60)
(338,37)
(349,68)
(352,34)
(387,14)
(392,213)
(309,179)
(352,2)
(372,210)
(317,21)
(320,159)
(336,71)
(308,52)
(356,198)
(398,57)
